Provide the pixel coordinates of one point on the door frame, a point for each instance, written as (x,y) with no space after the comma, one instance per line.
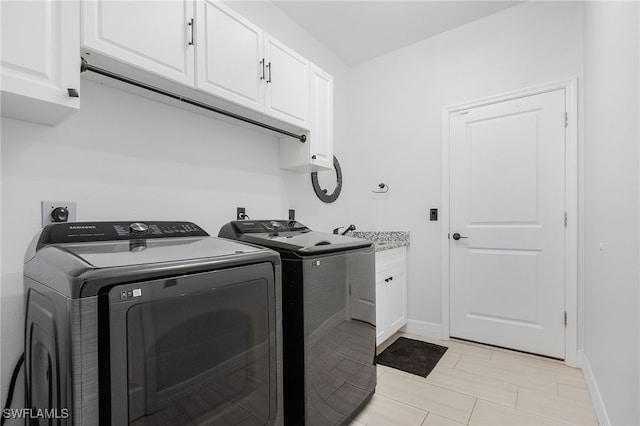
(571,204)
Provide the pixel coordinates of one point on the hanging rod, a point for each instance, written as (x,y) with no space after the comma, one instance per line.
(88,67)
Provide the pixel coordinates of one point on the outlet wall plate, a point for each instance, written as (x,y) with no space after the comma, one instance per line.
(49,206)
(240,213)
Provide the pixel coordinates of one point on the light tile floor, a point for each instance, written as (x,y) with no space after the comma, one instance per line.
(480,385)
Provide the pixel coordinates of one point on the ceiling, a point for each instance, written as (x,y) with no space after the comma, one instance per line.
(358,31)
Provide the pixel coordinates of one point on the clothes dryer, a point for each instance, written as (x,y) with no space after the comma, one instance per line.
(153,323)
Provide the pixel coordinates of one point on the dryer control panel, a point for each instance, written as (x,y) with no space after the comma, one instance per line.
(82,232)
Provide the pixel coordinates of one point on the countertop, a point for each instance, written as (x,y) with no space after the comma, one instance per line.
(384,240)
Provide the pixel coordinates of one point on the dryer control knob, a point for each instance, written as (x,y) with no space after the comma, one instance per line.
(138,228)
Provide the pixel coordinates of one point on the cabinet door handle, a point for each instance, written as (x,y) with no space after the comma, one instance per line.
(269,68)
(262,63)
(190,23)
(313,157)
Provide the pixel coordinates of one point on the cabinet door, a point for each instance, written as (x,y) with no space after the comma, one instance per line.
(230,59)
(382,333)
(321,118)
(40,59)
(397,299)
(287,91)
(151,35)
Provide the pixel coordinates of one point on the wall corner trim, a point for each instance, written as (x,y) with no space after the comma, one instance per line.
(423,328)
(594,391)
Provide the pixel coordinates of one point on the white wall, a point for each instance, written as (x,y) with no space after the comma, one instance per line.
(611,157)
(125,157)
(396,104)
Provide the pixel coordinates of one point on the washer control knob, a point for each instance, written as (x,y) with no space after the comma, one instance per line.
(138,228)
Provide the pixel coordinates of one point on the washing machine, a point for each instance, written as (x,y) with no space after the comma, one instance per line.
(151,323)
(329,334)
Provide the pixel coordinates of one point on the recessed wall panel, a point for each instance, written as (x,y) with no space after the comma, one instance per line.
(504,169)
(504,285)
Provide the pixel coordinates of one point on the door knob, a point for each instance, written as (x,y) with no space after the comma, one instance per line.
(457,236)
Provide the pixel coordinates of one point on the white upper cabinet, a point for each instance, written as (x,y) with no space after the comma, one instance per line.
(238,61)
(156,36)
(287,78)
(321,119)
(205,51)
(316,154)
(230,58)
(40,60)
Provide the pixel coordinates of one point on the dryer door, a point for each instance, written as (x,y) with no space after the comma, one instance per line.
(195,349)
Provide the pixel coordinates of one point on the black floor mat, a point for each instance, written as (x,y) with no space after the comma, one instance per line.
(413,356)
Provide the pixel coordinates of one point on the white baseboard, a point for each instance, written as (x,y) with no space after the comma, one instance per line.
(596,397)
(423,328)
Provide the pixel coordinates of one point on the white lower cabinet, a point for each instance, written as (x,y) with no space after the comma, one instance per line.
(391,292)
(40,60)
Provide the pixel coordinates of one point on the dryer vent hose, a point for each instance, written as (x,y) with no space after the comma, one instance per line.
(12,388)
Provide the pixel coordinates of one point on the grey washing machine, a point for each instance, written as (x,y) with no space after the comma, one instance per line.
(152,323)
(328,293)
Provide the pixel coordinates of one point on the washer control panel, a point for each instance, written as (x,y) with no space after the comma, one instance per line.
(74,232)
(261,226)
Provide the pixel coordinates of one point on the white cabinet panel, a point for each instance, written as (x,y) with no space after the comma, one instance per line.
(397,298)
(391,292)
(155,36)
(230,59)
(382,326)
(287,78)
(40,59)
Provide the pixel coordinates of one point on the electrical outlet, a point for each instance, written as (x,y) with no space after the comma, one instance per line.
(292,214)
(240,213)
(433,214)
(58,211)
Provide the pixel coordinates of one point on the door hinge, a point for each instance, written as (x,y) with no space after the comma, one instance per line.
(565,319)
(566,219)
(566,119)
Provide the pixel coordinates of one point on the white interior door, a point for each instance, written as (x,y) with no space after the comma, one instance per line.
(507,204)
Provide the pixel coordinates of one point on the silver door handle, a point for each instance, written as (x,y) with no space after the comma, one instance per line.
(457,236)
(190,23)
